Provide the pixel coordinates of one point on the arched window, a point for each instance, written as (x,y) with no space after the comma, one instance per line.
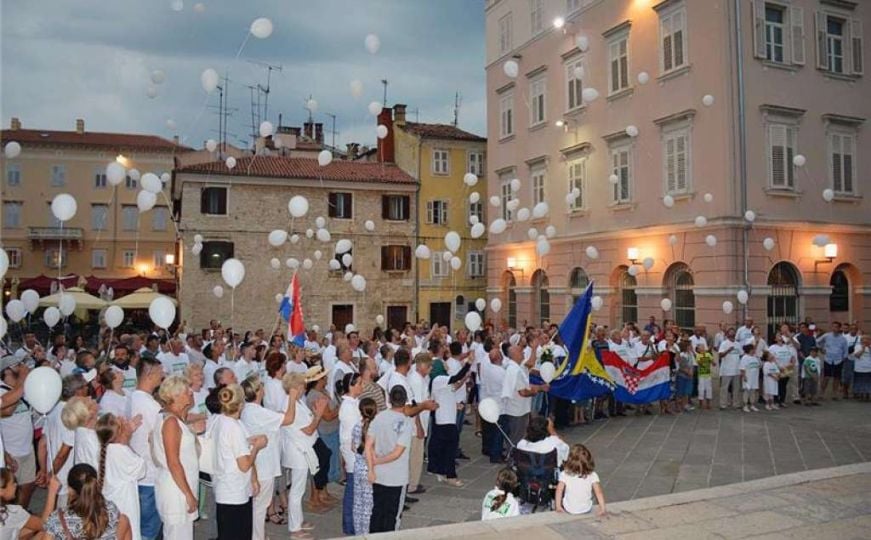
(541,297)
(510,286)
(783,303)
(679,282)
(578,281)
(840,299)
(628,298)
(460,306)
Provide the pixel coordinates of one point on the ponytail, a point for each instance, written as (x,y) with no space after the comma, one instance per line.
(368,410)
(88,502)
(107,429)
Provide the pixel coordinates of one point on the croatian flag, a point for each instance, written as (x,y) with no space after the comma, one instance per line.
(291,311)
(639,386)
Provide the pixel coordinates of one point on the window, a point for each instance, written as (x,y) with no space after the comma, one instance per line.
(505,196)
(128,259)
(839,300)
(536,15)
(676,158)
(672,29)
(577,181)
(52,220)
(395,258)
(439,265)
(58,175)
(215,253)
(506,32)
(781,149)
(778,33)
(98,258)
(437,212)
(538,190)
(835,44)
(774,32)
(440,161)
(618,63)
(506,115)
(460,308)
(476,163)
(99,178)
(341,205)
(842,148)
(574,85)
(213,201)
(14,255)
(628,298)
(511,298)
(578,281)
(12,215)
(839,44)
(542,297)
(158,259)
(783,297)
(99,215)
(159,218)
(342,266)
(131,183)
(476,209)
(680,285)
(537,90)
(621,165)
(395,207)
(54,258)
(129,217)
(475,264)
(13,174)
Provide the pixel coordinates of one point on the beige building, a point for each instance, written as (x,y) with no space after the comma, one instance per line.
(235,210)
(108,237)
(671,120)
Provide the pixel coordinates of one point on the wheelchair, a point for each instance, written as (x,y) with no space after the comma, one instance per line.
(537,475)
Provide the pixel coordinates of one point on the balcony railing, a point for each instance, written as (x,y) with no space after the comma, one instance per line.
(55,233)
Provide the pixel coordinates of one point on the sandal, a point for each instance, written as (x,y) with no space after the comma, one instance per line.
(276,519)
(301,535)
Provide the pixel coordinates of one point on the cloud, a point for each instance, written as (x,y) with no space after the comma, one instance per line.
(92,59)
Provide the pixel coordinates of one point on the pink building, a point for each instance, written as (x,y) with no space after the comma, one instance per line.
(712,147)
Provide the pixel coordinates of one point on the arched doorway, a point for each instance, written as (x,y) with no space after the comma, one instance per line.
(783,299)
(679,283)
(628,307)
(541,297)
(509,285)
(839,300)
(578,281)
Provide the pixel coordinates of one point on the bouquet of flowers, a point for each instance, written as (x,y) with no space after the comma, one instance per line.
(547,352)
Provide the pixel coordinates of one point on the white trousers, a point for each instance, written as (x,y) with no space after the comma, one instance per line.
(298,480)
(261,505)
(181,531)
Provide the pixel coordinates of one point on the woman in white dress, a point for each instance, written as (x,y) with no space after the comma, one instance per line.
(176,455)
(120,467)
(114,400)
(80,416)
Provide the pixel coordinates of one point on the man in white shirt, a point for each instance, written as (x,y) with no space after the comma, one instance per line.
(343,366)
(174,361)
(356,351)
(730,374)
(517,395)
(246,366)
(330,352)
(454,364)
(492,380)
(745,333)
(16,425)
(418,381)
(194,349)
(150,375)
(28,346)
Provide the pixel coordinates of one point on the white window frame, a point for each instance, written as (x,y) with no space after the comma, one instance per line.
(536,16)
(574,85)
(577,178)
(671,165)
(476,209)
(96,223)
(128,258)
(789,131)
(99,258)
(58,175)
(441,161)
(618,51)
(506,115)
(538,181)
(770,27)
(55,258)
(475,163)
(100,181)
(159,212)
(667,28)
(8,214)
(158,259)
(842,136)
(506,33)
(13,175)
(538,100)
(437,212)
(130,183)
(505,195)
(475,264)
(617,150)
(129,211)
(14,255)
(843,39)
(439,266)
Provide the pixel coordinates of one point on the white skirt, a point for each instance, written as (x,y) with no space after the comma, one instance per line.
(171,502)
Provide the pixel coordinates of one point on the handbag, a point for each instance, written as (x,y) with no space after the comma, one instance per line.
(311,458)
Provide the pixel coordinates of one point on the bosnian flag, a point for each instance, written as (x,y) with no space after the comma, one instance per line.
(291,311)
(639,386)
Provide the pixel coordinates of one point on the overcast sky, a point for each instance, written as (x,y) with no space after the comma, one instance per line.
(92,59)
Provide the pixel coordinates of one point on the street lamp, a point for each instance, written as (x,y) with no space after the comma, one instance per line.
(632,255)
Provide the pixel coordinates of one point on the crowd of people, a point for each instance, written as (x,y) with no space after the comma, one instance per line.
(155,430)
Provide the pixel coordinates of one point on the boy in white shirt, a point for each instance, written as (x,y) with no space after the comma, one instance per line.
(749,368)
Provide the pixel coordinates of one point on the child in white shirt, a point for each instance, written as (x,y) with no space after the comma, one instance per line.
(578,483)
(771,374)
(749,368)
(500,502)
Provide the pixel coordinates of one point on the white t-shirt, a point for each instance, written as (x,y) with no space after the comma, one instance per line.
(17,429)
(142,403)
(173,363)
(420,392)
(492,379)
(578,493)
(87,448)
(743,334)
(454,365)
(129,378)
(123,469)
(244,369)
(863,359)
(750,365)
(624,350)
(395,378)
(231,485)
(292,366)
(516,378)
(274,396)
(328,357)
(729,362)
(111,402)
(56,436)
(445,395)
(546,446)
(15,520)
(783,355)
(294,440)
(261,421)
(509,508)
(349,416)
(209,370)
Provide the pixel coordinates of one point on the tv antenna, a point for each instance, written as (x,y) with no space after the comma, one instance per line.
(333,131)
(385,83)
(458,100)
(224,112)
(261,91)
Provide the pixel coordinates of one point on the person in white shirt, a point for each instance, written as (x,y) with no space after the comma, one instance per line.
(349,416)
(121,362)
(492,380)
(729,359)
(16,425)
(142,402)
(745,332)
(418,382)
(862,369)
(246,365)
(500,502)
(296,363)
(385,362)
(343,366)
(114,400)
(59,440)
(578,483)
(444,439)
(274,396)
(80,416)
(213,352)
(329,356)
(194,349)
(174,360)
(454,364)
(517,395)
(749,368)
(786,358)
(542,438)
(119,467)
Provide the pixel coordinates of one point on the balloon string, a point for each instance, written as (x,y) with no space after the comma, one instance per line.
(136,245)
(232,307)
(244,42)
(196,119)
(169,207)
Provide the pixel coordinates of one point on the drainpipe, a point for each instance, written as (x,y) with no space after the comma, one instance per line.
(742,147)
(417,234)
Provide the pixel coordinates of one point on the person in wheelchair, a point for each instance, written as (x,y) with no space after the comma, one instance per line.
(536,461)
(542,438)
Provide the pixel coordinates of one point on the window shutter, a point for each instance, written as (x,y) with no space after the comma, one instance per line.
(204,201)
(385,206)
(406,257)
(670,180)
(777,135)
(385,255)
(759,29)
(848,162)
(822,56)
(681,163)
(406,208)
(666,53)
(856,40)
(331,202)
(796,25)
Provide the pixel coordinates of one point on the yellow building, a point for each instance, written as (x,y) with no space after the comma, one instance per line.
(108,237)
(439,156)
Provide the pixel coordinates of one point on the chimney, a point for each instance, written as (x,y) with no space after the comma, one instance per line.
(80,125)
(15,124)
(351,151)
(175,139)
(307,130)
(385,145)
(319,133)
(399,114)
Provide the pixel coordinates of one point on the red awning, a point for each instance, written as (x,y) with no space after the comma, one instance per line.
(121,286)
(128,285)
(42,283)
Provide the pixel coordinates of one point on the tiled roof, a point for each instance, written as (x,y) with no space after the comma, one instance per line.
(305,168)
(89,138)
(441,131)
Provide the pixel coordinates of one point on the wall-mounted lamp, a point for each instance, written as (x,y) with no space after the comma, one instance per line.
(830,253)
(632,255)
(169,259)
(511,265)
(559,23)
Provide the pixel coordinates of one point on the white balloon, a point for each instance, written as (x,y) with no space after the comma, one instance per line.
(343,246)
(274,263)
(799,160)
(42,389)
(196,249)
(633,270)
(209,80)
(515,185)
(170,124)
(665,304)
(532,233)
(596,303)
(496,305)
(347,259)
(498,226)
(480,304)
(325,157)
(743,297)
(768,243)
(294,238)
(51,316)
(542,247)
(422,252)
(473,321)
(576,192)
(277,237)
(266,128)
(64,207)
(218,291)
(381,131)
(547,372)
(12,150)
(672,239)
(372,43)
(162,312)
(15,310)
(356,88)
(579,72)
(474,197)
(176,5)
(307,264)
(470,179)
(320,222)
(115,173)
(134,174)
(114,316)
(358,283)
(583,42)
(570,199)
(708,197)
(490,410)
(3,327)
(511,69)
(750,216)
(151,182)
(230,162)
(711,240)
(297,206)
(145,200)
(540,210)
(728,307)
(701,221)
(589,95)
(151,91)
(478,230)
(495,200)
(311,105)
(233,272)
(632,131)
(456,263)
(550,231)
(211,145)
(261,28)
(708,100)
(513,204)
(452,241)
(643,78)
(375,108)
(613,179)
(323,235)
(318,254)
(668,201)
(334,264)
(198,239)
(30,299)
(369,225)
(828,194)
(379,319)
(648,263)
(592,252)
(293,264)
(523,215)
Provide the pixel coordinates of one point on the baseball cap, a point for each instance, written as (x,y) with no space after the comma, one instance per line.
(9,361)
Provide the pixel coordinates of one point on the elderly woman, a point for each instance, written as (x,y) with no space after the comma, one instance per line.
(175,452)
(234,480)
(542,438)
(80,416)
(56,447)
(327,446)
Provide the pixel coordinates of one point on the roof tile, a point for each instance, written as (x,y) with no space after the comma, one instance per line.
(441,131)
(305,168)
(89,138)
